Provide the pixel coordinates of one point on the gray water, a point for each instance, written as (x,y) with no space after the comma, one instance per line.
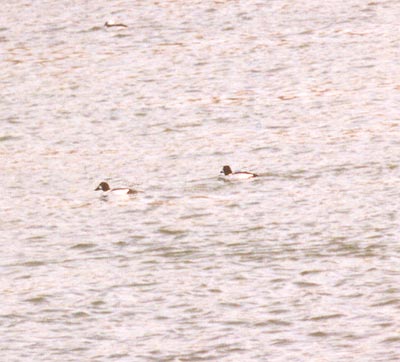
(300,264)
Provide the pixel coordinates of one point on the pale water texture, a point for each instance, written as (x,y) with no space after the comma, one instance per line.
(301,264)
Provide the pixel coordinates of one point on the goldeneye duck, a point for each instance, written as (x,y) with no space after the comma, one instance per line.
(105,187)
(241,175)
(109,24)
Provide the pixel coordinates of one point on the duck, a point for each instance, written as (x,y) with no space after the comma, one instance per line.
(105,187)
(110,23)
(240,175)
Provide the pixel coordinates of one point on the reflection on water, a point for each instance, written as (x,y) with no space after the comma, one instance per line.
(298,264)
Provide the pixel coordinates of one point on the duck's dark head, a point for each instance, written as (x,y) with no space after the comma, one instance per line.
(103,186)
(226,170)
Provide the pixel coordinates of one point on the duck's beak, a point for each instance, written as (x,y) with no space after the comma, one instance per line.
(97,188)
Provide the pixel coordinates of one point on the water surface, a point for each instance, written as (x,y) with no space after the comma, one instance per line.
(300,264)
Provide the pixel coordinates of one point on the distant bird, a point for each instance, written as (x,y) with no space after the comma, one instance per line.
(240,175)
(110,24)
(105,187)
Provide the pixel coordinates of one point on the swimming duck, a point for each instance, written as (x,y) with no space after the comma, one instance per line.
(110,23)
(105,187)
(240,175)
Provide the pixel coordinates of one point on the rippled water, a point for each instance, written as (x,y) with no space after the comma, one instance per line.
(301,264)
